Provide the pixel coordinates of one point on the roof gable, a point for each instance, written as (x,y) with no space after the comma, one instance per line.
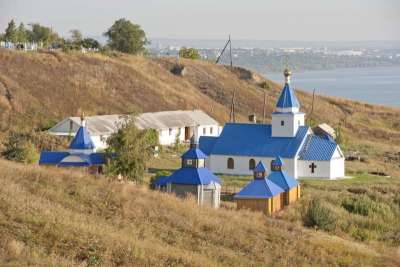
(255,140)
(194,153)
(318,148)
(206,144)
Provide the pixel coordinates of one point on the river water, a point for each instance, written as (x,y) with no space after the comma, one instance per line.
(380,85)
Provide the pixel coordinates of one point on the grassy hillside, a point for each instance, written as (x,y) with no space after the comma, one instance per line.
(37,89)
(61,218)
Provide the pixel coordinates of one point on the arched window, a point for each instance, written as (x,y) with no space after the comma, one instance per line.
(231,163)
(252,164)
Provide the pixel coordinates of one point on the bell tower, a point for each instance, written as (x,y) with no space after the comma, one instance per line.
(287,118)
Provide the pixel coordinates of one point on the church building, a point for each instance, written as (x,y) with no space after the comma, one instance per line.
(193,179)
(271,193)
(81,153)
(306,154)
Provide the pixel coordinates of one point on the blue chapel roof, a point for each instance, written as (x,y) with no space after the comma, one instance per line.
(259,189)
(82,140)
(287,98)
(260,167)
(194,153)
(317,148)
(55,158)
(283,180)
(193,176)
(255,140)
(52,157)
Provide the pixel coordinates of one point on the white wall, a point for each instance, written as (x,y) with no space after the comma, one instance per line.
(219,164)
(292,121)
(168,136)
(322,169)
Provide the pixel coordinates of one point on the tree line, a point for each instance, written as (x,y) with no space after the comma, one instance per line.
(123,36)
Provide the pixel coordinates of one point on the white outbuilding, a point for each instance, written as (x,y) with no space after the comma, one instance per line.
(172,126)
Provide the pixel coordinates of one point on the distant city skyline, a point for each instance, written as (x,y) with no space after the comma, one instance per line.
(311,20)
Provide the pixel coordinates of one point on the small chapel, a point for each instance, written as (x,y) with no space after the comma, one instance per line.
(306,154)
(268,193)
(80,154)
(193,178)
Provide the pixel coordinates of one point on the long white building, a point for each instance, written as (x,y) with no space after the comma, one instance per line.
(171,126)
(306,154)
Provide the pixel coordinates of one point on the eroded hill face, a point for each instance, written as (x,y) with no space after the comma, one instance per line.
(37,89)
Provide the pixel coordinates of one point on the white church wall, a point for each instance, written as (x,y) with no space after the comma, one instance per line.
(337,168)
(322,169)
(219,164)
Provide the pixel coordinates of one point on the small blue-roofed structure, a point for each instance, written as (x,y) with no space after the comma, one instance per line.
(193,178)
(81,153)
(306,154)
(261,194)
(290,185)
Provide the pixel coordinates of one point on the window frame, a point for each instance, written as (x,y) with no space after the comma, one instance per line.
(230,164)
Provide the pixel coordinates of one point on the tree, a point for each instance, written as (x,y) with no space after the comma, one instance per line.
(189,53)
(129,149)
(22,34)
(126,37)
(76,37)
(43,34)
(18,148)
(90,43)
(11,32)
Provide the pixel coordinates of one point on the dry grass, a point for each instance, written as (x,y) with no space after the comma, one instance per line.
(54,217)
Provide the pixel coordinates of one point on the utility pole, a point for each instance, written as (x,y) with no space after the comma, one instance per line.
(264,106)
(232,113)
(312,107)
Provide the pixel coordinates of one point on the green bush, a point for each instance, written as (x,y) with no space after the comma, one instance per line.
(18,148)
(365,206)
(319,215)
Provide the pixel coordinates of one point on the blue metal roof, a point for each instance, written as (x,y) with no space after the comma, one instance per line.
(206,144)
(259,188)
(161,181)
(260,167)
(194,153)
(82,140)
(55,158)
(255,140)
(288,98)
(283,180)
(317,148)
(193,176)
(51,157)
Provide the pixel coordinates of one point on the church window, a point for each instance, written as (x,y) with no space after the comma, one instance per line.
(189,162)
(231,163)
(282,123)
(252,164)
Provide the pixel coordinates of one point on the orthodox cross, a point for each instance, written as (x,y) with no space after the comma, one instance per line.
(312,167)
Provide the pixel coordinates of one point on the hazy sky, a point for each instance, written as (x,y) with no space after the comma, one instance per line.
(310,20)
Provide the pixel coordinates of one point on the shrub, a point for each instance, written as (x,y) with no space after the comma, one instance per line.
(190,53)
(365,206)
(18,148)
(319,215)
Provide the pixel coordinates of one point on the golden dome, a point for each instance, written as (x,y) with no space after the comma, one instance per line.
(287,72)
